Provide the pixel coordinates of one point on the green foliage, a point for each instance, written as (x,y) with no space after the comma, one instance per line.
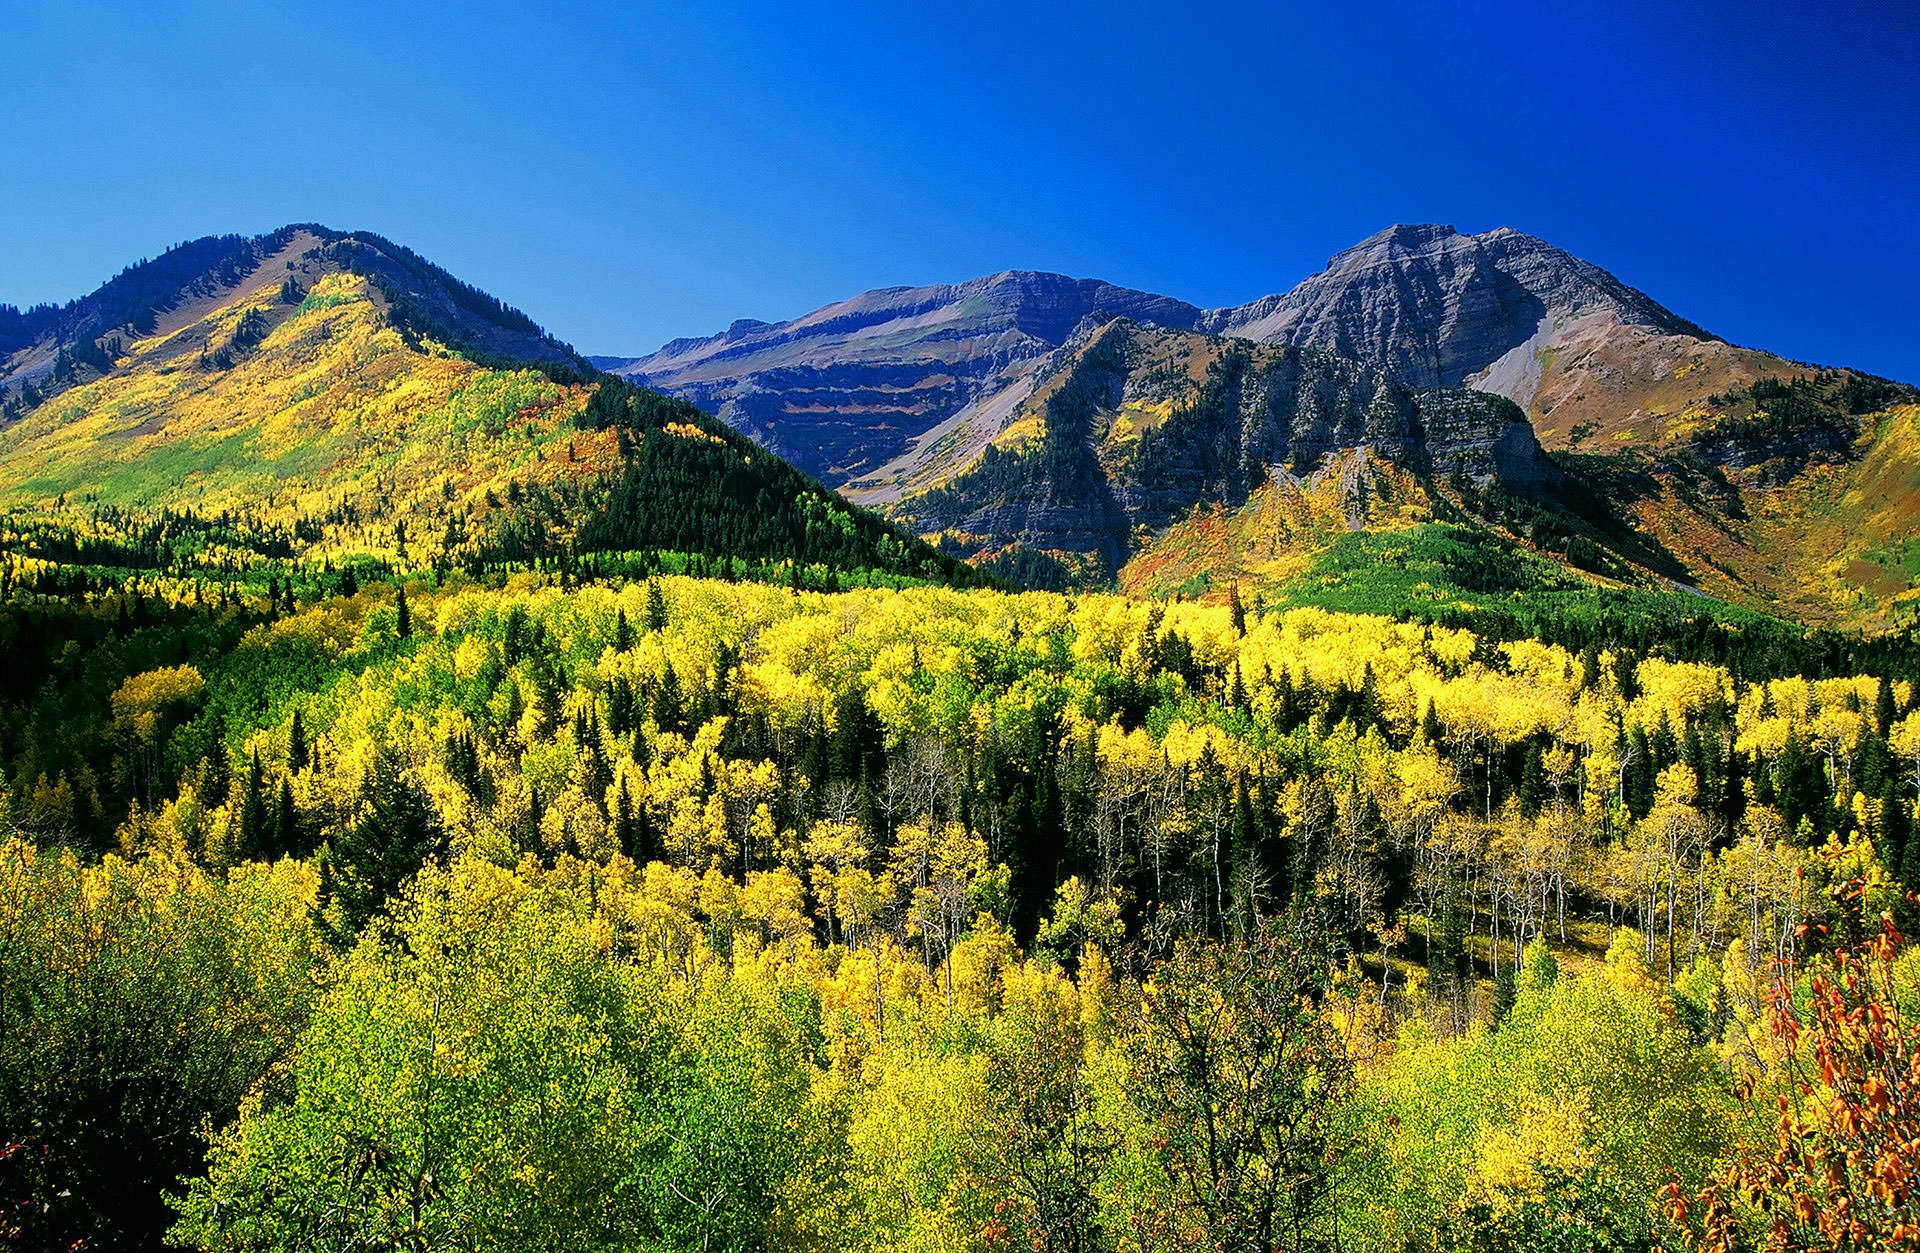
(701,488)
(851,811)
(486,1074)
(139,1003)
(1801,417)
(1561,1125)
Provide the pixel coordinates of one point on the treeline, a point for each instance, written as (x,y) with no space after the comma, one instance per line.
(1466,578)
(137,295)
(426,302)
(1799,417)
(1191,765)
(686,483)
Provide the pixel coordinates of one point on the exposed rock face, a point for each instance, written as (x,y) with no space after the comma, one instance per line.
(1135,427)
(1587,356)
(1435,308)
(897,390)
(1484,439)
(847,389)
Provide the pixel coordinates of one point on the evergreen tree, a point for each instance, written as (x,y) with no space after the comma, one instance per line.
(1800,786)
(286,824)
(1639,775)
(1533,780)
(255,842)
(669,709)
(1910,857)
(393,832)
(297,755)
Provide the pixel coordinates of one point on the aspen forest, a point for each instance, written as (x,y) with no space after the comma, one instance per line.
(539,911)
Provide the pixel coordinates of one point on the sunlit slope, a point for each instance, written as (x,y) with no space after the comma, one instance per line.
(1176,460)
(329,402)
(1274,536)
(329,399)
(1831,540)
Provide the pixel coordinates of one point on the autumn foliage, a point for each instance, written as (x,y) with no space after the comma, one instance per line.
(1839,1172)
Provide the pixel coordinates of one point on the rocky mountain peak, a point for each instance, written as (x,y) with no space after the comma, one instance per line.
(854,385)
(1436,307)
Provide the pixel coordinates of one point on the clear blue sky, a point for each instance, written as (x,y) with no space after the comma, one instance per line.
(628,174)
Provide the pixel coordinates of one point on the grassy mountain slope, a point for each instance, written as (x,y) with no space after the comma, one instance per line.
(1811,510)
(341,400)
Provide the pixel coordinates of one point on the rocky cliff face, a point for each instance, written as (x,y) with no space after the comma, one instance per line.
(1588,357)
(1136,427)
(849,388)
(1435,307)
(897,390)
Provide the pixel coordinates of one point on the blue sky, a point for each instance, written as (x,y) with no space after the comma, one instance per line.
(631,173)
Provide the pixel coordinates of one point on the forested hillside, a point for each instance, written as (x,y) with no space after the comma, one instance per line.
(321,401)
(452,799)
(755,917)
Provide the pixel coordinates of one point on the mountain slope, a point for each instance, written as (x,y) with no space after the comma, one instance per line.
(328,397)
(866,392)
(50,348)
(1690,460)
(895,389)
(1588,357)
(1133,429)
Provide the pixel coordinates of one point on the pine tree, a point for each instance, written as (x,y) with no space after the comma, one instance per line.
(286,826)
(669,707)
(1640,774)
(1533,780)
(626,833)
(394,833)
(1910,858)
(297,745)
(254,842)
(402,616)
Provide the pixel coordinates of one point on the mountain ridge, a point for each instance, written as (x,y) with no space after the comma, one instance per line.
(49,348)
(1502,311)
(1686,443)
(327,397)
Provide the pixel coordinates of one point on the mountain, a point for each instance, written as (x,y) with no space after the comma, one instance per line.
(1133,429)
(328,397)
(1678,458)
(1588,357)
(51,347)
(896,388)
(868,392)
